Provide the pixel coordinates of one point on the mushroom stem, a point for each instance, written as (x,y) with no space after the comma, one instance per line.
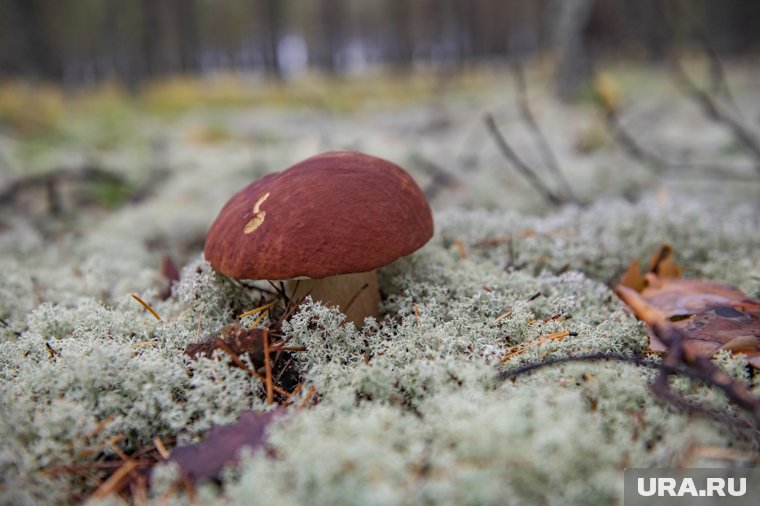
(357,295)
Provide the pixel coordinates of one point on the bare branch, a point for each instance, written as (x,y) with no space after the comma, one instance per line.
(713,110)
(631,145)
(440,177)
(521,166)
(544,148)
(633,148)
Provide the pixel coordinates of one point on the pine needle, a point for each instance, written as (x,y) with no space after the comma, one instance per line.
(146,306)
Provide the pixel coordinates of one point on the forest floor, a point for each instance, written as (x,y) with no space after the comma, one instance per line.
(96,190)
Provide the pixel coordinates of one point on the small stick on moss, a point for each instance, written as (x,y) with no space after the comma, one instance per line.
(287,348)
(200,321)
(94,432)
(54,354)
(265,307)
(503,315)
(296,389)
(309,395)
(259,319)
(643,360)
(161,449)
(640,360)
(238,362)
(117,481)
(268,368)
(89,469)
(111,443)
(521,348)
(146,306)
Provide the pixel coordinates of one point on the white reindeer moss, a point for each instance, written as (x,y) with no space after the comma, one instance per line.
(409,411)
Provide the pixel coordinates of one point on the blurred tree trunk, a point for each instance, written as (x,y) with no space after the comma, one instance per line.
(37,57)
(112,63)
(574,58)
(151,26)
(401,50)
(188,34)
(271,21)
(332,14)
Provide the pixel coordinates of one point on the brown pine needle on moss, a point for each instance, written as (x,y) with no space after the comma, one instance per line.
(94,432)
(265,307)
(268,368)
(259,319)
(521,348)
(238,362)
(111,444)
(309,395)
(160,448)
(117,481)
(287,348)
(146,306)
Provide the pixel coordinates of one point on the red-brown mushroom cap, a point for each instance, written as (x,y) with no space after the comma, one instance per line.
(334,213)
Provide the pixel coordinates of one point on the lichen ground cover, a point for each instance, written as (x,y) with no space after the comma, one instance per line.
(409,410)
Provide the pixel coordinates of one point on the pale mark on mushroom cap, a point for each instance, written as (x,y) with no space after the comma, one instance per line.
(258,216)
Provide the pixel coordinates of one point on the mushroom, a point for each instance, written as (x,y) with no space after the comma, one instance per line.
(325,225)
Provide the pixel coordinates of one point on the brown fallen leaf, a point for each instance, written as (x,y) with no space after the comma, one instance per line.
(713,316)
(240,340)
(633,277)
(663,264)
(222,445)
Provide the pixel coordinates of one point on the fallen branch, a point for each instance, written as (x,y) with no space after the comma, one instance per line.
(682,353)
(663,392)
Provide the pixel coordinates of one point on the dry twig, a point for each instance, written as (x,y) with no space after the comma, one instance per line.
(714,111)
(525,169)
(544,148)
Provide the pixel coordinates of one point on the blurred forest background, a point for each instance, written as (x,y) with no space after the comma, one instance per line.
(81,42)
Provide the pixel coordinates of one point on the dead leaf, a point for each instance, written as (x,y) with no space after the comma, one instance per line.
(663,265)
(222,445)
(633,277)
(712,315)
(240,340)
